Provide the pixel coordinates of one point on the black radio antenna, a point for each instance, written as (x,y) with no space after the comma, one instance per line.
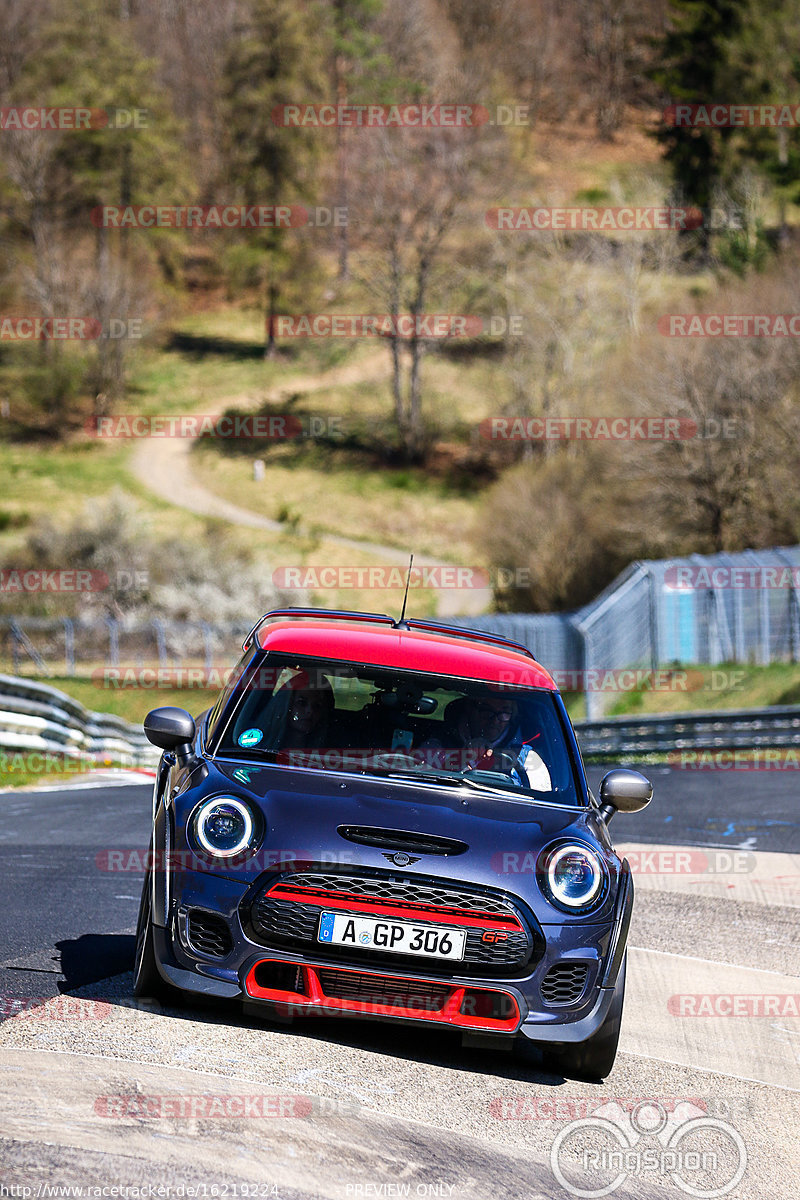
(402,623)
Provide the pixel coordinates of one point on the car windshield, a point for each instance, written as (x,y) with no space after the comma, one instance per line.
(339,716)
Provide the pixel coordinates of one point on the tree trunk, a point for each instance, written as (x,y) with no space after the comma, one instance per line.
(342,181)
(270,349)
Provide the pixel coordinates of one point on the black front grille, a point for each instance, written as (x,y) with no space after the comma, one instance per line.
(209,934)
(392,890)
(564,983)
(391,993)
(282,922)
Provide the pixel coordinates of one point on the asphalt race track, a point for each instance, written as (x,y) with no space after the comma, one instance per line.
(98,1091)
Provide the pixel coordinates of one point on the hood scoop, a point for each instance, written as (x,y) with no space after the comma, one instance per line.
(402,839)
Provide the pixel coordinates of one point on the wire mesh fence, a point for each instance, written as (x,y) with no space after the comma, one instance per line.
(706,610)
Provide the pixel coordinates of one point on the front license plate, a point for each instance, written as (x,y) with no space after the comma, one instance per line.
(400,937)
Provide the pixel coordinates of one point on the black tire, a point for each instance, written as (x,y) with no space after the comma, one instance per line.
(147,982)
(593,1059)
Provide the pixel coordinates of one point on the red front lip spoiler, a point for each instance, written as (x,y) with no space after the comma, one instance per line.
(313,1001)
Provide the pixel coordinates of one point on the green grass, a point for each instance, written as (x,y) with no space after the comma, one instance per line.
(14,773)
(130,703)
(706,689)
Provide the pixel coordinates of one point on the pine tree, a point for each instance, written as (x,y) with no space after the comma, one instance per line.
(279,58)
(695,69)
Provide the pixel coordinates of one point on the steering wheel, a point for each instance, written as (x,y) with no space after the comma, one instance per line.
(497,760)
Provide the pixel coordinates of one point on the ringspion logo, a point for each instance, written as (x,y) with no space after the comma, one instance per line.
(594,1155)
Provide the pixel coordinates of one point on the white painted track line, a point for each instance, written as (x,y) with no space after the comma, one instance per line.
(752,876)
(763,1048)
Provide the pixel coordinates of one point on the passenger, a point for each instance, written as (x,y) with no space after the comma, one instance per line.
(311,707)
(300,713)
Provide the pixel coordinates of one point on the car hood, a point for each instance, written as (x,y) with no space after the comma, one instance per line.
(305,811)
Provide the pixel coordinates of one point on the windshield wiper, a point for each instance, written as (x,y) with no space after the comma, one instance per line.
(454,781)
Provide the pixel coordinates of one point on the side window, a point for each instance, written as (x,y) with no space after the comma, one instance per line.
(227,691)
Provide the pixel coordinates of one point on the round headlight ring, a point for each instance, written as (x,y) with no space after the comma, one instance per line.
(239,816)
(575,885)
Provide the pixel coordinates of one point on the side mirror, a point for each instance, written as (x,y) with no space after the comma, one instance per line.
(171,729)
(624,791)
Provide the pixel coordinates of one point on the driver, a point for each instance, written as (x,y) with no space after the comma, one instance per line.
(476,726)
(486,730)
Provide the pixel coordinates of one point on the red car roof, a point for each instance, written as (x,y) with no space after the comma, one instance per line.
(413,650)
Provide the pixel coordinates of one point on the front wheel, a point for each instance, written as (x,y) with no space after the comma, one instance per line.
(147,982)
(594,1058)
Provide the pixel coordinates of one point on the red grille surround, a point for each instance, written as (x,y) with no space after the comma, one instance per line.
(371,994)
(347,902)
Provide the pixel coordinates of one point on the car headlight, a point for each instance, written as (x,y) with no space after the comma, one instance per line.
(573,876)
(224,826)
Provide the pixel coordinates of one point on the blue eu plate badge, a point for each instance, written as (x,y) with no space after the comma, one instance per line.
(326,927)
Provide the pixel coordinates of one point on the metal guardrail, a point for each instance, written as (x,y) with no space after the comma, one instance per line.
(658,733)
(37,718)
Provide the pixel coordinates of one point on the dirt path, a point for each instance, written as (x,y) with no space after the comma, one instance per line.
(164,466)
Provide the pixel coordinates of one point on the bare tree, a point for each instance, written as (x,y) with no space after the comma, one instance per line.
(614,38)
(20,21)
(414,188)
(726,482)
(189,39)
